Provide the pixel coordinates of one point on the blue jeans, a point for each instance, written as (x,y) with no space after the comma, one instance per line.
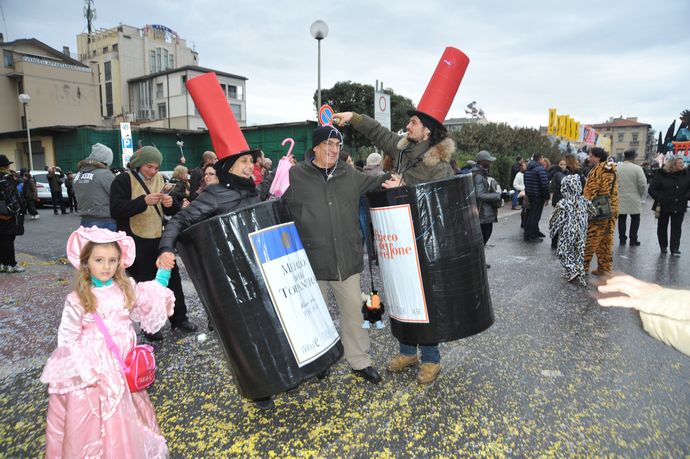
(108,223)
(430,354)
(515,198)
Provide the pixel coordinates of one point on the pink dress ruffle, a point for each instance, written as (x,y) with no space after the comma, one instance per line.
(91,412)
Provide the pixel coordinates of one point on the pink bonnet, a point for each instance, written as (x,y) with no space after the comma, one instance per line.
(81,236)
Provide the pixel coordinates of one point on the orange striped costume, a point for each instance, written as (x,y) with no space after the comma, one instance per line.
(600,233)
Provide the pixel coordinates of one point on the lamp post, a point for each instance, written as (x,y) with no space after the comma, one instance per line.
(319,30)
(25,99)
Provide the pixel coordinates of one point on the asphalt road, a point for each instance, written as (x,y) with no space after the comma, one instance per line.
(555,376)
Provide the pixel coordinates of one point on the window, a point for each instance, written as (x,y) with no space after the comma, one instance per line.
(115,47)
(237,111)
(222,87)
(634,138)
(159,55)
(105,49)
(232,92)
(152,61)
(184,84)
(171,61)
(107,71)
(621,136)
(143,98)
(8,58)
(162,111)
(108,99)
(159,90)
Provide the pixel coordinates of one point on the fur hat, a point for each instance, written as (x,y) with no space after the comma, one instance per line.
(145,155)
(78,239)
(373,159)
(102,154)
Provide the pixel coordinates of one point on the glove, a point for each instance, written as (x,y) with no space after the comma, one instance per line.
(163,276)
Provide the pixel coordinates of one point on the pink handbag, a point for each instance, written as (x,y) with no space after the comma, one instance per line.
(139,365)
(281,180)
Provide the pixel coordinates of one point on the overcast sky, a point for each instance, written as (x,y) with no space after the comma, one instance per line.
(589,59)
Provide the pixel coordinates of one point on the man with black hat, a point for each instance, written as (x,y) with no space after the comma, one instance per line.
(632,187)
(138,204)
(324,199)
(11,217)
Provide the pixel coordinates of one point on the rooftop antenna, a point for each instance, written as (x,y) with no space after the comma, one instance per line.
(89,14)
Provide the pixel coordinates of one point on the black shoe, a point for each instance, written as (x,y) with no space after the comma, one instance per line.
(370,374)
(185,325)
(158,336)
(635,243)
(210,325)
(534,239)
(324,374)
(488,266)
(664,250)
(623,242)
(265,403)
(675,253)
(541,234)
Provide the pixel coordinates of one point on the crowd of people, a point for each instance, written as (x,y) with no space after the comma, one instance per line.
(130,223)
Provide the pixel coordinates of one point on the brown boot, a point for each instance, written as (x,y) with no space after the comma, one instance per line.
(400,362)
(428,373)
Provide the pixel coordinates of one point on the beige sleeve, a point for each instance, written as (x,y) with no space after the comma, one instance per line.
(665,315)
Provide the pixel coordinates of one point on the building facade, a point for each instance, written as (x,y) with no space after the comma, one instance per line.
(125,52)
(627,133)
(161,99)
(62,91)
(456,124)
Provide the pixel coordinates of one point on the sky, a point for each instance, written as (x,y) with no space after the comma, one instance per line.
(589,59)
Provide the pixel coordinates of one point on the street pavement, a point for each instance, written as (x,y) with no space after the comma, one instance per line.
(555,376)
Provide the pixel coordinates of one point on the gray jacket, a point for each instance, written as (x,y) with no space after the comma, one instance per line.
(488,200)
(632,188)
(92,189)
(416,162)
(326,214)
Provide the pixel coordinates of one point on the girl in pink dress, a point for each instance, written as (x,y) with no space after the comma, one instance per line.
(91,411)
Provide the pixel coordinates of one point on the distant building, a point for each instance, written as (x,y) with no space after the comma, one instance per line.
(456,124)
(161,99)
(63,92)
(125,52)
(626,133)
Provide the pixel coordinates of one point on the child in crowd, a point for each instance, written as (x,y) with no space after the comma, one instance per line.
(91,411)
(569,222)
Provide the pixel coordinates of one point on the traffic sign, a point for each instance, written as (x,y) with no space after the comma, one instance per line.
(325,115)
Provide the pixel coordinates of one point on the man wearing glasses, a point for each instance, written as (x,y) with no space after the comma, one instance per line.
(324,200)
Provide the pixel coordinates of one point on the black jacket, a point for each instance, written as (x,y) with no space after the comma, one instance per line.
(536,180)
(214,200)
(672,190)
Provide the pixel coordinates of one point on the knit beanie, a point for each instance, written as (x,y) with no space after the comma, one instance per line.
(145,155)
(102,154)
(373,159)
(323,133)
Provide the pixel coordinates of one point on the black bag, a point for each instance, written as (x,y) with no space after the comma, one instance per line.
(602,205)
(10,203)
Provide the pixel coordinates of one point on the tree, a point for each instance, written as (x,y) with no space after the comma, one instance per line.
(347,96)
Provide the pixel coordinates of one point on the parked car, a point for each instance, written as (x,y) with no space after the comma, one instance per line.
(43,189)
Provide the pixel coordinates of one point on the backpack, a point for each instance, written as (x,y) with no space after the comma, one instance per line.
(10,204)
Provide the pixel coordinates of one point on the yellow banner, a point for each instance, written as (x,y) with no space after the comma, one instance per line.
(552,121)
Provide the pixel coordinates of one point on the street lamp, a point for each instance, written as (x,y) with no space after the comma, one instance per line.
(25,99)
(319,30)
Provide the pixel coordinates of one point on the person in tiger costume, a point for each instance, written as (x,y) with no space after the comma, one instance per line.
(601,182)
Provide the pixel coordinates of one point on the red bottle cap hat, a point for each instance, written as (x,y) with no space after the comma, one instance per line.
(214,108)
(444,84)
